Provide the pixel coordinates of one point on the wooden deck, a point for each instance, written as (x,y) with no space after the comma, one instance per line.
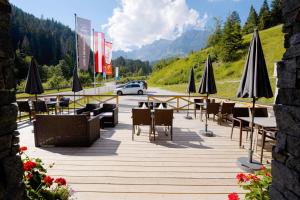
(115,167)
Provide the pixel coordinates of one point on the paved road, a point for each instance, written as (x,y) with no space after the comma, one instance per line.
(127,102)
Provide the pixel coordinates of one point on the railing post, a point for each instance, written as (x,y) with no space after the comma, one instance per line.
(117,99)
(177,107)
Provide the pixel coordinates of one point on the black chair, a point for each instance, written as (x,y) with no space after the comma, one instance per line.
(40,107)
(260,112)
(64,103)
(160,104)
(269,133)
(23,106)
(109,113)
(148,104)
(243,125)
(89,107)
(226,110)
(196,106)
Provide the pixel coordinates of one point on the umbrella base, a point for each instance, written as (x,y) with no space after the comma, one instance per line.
(250,167)
(207,133)
(188,117)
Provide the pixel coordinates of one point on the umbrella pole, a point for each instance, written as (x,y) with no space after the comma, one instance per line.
(74,103)
(206,114)
(187,114)
(252,130)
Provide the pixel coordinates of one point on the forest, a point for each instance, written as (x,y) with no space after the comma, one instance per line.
(52,44)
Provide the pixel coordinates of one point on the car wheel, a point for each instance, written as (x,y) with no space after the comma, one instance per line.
(119,93)
(140,92)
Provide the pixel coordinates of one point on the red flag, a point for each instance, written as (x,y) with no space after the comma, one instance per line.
(99,51)
(108,69)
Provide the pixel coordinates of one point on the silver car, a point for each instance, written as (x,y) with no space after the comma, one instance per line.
(131,88)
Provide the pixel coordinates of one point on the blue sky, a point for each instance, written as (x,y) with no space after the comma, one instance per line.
(133,23)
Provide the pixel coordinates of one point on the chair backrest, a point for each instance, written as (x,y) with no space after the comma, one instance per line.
(158,104)
(227,108)
(64,102)
(23,106)
(53,99)
(163,117)
(109,106)
(91,106)
(141,116)
(260,112)
(40,106)
(240,112)
(212,108)
(197,101)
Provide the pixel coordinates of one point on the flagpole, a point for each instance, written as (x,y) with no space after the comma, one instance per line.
(94,60)
(76,47)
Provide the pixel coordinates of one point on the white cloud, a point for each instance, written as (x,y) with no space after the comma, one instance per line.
(138,22)
(222,0)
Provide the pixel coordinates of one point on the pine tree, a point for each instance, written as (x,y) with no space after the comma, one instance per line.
(216,36)
(276,12)
(232,37)
(264,17)
(251,22)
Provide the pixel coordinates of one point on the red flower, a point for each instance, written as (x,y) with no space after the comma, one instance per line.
(29,165)
(241,178)
(29,176)
(268,174)
(233,196)
(263,168)
(48,180)
(254,178)
(60,181)
(22,149)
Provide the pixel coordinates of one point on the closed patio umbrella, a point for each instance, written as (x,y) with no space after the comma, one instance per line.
(208,86)
(76,85)
(191,88)
(255,81)
(33,82)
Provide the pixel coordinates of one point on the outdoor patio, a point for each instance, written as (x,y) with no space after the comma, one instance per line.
(191,166)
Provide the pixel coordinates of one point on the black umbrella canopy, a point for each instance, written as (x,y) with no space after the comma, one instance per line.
(76,85)
(208,84)
(191,88)
(255,82)
(33,82)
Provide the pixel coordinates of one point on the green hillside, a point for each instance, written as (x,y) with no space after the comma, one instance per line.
(174,76)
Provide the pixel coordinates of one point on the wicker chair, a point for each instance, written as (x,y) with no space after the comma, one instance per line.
(24,106)
(89,107)
(109,113)
(163,117)
(243,126)
(226,110)
(141,117)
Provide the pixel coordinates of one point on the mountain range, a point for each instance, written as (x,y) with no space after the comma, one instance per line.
(191,40)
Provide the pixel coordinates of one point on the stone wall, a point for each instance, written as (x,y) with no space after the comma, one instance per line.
(286,153)
(11,168)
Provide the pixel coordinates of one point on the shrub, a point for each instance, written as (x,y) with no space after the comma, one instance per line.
(38,185)
(256,185)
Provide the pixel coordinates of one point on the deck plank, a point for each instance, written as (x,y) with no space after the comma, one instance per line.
(191,166)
